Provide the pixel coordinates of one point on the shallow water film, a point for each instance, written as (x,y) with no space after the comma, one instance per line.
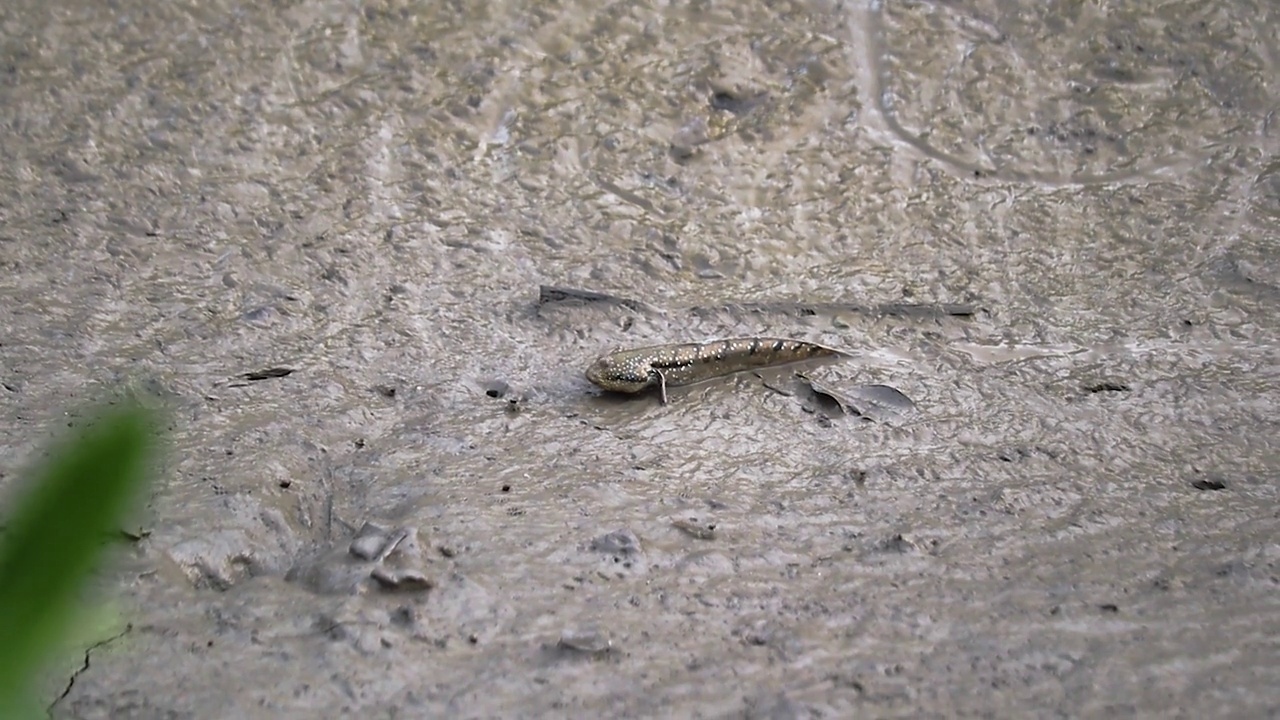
(364,253)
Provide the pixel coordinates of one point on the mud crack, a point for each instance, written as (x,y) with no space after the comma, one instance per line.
(71,682)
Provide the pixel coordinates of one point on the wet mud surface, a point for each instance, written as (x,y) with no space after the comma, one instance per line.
(322,235)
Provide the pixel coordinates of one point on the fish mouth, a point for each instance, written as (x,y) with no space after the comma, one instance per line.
(596,370)
(603,374)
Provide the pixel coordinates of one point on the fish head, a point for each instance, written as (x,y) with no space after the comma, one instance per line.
(621,373)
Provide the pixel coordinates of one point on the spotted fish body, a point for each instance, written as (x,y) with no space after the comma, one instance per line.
(661,366)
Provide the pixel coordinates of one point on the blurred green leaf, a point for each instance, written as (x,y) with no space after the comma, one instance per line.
(56,530)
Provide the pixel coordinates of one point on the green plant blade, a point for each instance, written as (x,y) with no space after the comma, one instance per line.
(55,539)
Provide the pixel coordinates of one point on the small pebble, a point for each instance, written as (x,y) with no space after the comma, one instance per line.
(589,640)
(400,580)
(367,548)
(369,542)
(619,542)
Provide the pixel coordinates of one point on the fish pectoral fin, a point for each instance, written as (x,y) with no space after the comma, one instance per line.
(662,385)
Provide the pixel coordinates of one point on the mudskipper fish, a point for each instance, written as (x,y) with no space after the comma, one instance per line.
(663,366)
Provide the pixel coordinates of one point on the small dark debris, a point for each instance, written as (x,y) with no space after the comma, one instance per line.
(333,274)
(552,294)
(1107,387)
(899,543)
(447,551)
(1109,607)
(404,616)
(694,529)
(914,310)
(359,443)
(506,488)
(1208,485)
(734,103)
(496,388)
(284,484)
(268,374)
(386,391)
(918,310)
(1229,568)
(473,639)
